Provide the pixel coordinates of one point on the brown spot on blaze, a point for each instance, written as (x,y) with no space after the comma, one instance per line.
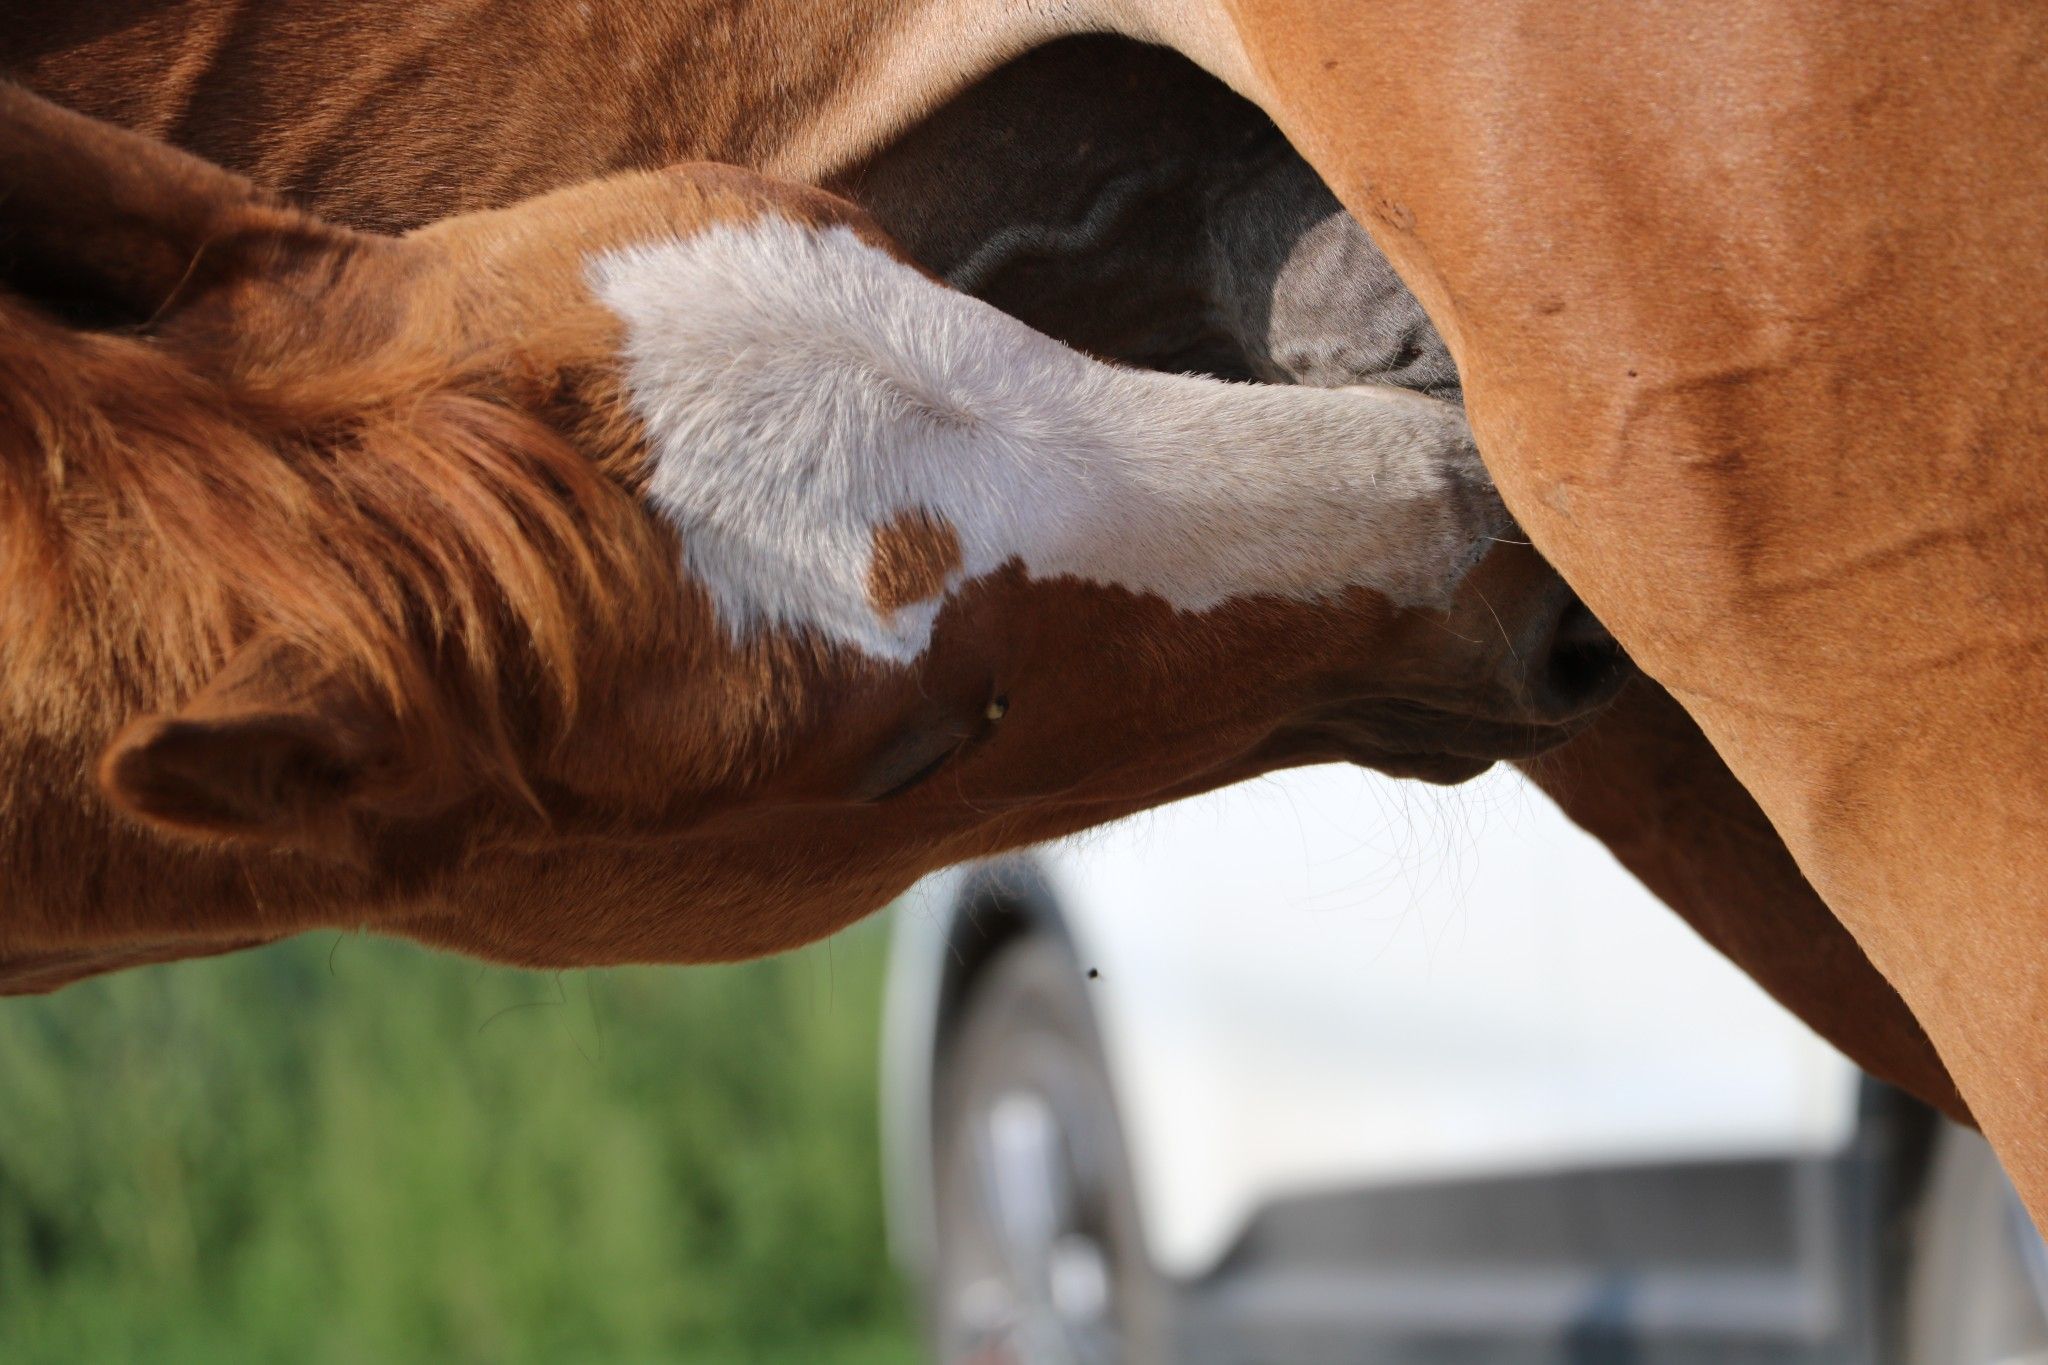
(913,556)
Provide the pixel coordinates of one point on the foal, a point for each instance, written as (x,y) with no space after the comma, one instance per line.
(657,570)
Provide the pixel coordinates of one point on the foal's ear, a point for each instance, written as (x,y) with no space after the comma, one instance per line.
(273,751)
(106,227)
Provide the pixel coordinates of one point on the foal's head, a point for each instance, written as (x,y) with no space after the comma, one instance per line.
(660,570)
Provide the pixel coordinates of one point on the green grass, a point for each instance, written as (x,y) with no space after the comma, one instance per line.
(358,1151)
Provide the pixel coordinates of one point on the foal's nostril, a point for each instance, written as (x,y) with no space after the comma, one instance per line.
(1581,667)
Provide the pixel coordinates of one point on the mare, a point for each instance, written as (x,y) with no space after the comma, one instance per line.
(1748,307)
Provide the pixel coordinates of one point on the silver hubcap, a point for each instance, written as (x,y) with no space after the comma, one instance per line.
(1048,1297)
(2033,1255)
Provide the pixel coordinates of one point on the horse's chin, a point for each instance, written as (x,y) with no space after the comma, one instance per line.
(1444,770)
(1419,742)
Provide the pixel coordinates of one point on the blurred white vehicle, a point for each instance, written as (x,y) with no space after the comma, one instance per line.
(1328,1067)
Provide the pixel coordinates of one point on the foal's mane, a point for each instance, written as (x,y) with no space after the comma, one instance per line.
(422,534)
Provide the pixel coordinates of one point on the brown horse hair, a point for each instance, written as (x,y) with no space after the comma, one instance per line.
(427,539)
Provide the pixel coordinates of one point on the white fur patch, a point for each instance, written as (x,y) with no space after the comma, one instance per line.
(802,389)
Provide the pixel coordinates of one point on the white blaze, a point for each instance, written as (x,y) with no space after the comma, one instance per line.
(802,389)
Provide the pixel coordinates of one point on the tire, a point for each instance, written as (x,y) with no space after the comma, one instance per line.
(1977,1272)
(1041,1258)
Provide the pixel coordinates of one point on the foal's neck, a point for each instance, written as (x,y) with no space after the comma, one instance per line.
(91,634)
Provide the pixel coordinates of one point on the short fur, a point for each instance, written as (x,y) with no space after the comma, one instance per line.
(386,118)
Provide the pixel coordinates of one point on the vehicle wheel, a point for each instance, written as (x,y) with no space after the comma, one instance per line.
(1977,1280)
(1040,1257)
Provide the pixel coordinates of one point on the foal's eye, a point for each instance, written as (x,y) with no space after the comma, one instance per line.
(918,778)
(909,760)
(922,749)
